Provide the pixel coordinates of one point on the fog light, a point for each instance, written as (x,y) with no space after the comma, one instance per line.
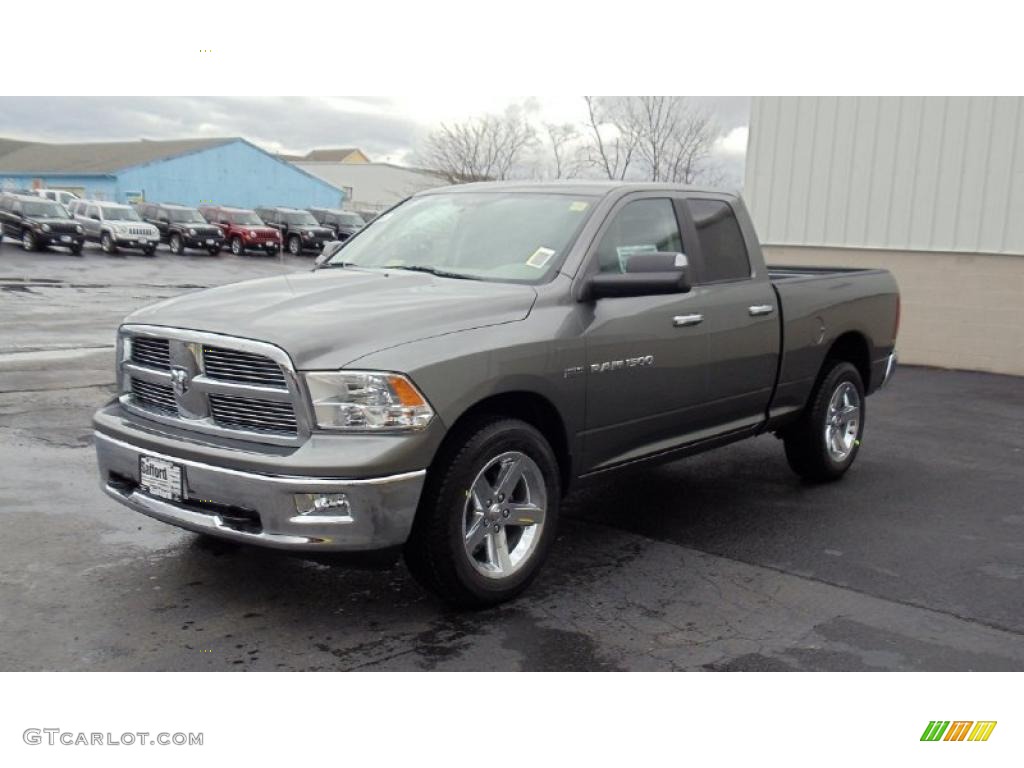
(328,504)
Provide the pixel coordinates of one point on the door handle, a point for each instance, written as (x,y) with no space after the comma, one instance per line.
(761,309)
(680,321)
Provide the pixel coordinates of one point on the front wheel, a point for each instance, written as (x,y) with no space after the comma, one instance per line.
(294,245)
(107,243)
(237,247)
(76,250)
(28,240)
(487,516)
(823,443)
(176,245)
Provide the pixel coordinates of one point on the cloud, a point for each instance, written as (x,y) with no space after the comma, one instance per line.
(734,142)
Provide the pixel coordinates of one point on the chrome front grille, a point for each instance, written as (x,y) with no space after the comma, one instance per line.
(213,384)
(244,367)
(140,231)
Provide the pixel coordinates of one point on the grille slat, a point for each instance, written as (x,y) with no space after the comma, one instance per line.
(246,413)
(155,396)
(244,367)
(155,353)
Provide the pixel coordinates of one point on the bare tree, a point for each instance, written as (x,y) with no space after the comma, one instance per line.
(481,149)
(612,144)
(564,162)
(659,138)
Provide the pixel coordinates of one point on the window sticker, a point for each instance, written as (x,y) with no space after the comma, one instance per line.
(625,251)
(540,258)
(578,205)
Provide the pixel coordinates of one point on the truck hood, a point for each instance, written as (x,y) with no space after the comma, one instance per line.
(328,318)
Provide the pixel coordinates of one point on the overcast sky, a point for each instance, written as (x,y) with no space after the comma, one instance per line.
(386,128)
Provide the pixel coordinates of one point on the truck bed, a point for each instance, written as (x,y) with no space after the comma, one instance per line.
(817,306)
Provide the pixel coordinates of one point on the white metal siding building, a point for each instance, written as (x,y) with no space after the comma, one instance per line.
(929,187)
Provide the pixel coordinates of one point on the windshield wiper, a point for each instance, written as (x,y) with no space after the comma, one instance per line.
(434,271)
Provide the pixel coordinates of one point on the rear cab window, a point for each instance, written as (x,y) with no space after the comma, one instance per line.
(723,251)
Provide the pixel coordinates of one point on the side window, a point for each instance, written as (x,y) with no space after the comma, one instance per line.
(642,226)
(721,242)
(93,211)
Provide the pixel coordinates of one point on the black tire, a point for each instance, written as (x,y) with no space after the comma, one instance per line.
(807,449)
(436,552)
(295,245)
(175,244)
(214,251)
(76,250)
(107,243)
(150,251)
(29,241)
(274,251)
(237,247)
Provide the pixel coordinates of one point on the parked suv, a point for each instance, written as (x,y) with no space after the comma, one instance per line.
(39,223)
(61,196)
(344,224)
(115,226)
(299,230)
(243,229)
(182,227)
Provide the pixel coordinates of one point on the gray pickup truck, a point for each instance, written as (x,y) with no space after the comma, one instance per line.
(436,385)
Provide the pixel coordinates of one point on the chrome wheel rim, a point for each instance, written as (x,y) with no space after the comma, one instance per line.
(236,247)
(842,421)
(27,240)
(175,244)
(294,247)
(504,515)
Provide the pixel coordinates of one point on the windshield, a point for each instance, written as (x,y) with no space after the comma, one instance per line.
(47,210)
(245,217)
(190,216)
(518,237)
(300,218)
(119,213)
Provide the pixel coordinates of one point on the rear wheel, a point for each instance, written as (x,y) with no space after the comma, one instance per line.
(823,444)
(487,516)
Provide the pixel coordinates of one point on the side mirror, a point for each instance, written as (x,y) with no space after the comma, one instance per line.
(647,274)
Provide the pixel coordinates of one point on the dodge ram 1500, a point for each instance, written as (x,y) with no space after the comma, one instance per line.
(439,382)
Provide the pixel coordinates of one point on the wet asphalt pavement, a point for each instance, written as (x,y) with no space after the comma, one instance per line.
(915,561)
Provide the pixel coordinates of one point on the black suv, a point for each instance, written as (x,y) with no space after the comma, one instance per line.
(182,227)
(299,230)
(39,223)
(344,223)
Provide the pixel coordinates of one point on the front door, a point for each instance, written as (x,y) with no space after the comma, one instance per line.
(646,355)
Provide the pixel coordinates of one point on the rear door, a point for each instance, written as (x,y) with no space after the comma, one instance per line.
(741,315)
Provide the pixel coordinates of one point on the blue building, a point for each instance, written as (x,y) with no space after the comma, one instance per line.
(225,171)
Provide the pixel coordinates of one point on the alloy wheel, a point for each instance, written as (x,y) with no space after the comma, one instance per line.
(842,421)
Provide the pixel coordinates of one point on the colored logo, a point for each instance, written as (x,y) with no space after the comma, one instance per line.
(958,730)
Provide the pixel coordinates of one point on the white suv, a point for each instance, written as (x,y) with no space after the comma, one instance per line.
(61,196)
(114,226)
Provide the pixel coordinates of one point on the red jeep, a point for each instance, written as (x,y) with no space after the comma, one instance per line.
(243,229)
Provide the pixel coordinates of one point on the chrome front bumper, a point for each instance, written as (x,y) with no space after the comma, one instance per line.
(379,514)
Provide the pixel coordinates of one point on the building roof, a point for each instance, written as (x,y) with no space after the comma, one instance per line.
(94,158)
(334,155)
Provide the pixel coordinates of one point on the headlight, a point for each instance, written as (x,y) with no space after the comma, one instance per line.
(365,400)
(45,227)
(78,229)
(192,232)
(252,233)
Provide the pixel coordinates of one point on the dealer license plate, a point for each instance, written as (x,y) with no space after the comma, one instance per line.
(210,241)
(143,241)
(160,478)
(65,238)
